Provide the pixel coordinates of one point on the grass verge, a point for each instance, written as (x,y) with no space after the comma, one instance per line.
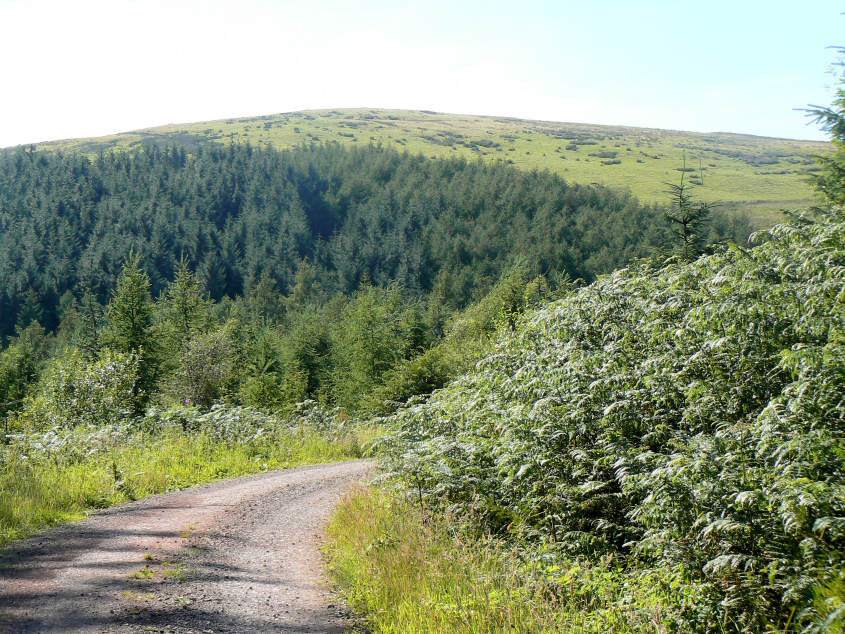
(407,572)
(38,493)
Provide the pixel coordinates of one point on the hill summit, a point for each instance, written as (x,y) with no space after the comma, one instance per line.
(759,175)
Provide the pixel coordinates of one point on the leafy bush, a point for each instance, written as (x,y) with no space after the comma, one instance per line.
(263,391)
(63,446)
(206,369)
(691,417)
(77,392)
(59,474)
(414,572)
(232,424)
(221,424)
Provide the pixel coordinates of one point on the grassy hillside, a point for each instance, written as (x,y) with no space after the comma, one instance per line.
(758,174)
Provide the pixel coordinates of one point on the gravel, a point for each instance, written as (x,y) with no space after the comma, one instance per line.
(239,555)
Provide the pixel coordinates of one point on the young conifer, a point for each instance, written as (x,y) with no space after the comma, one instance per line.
(687,219)
(129,324)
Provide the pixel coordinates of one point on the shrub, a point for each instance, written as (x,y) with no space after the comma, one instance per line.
(691,416)
(206,370)
(263,391)
(74,391)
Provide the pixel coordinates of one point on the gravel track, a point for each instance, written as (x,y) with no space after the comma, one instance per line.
(233,556)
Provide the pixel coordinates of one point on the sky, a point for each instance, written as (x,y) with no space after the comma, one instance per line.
(94,67)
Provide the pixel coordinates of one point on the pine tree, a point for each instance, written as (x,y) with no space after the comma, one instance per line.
(185,305)
(30,311)
(306,289)
(129,325)
(831,180)
(91,321)
(265,300)
(368,342)
(687,219)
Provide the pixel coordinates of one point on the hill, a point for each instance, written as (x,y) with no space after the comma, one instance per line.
(759,175)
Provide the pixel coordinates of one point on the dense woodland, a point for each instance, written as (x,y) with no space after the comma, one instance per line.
(68,223)
(307,273)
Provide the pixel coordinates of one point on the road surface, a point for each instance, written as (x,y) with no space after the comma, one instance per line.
(233,556)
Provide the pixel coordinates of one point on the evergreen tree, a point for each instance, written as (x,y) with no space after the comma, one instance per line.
(306,288)
(368,341)
(831,180)
(687,220)
(91,317)
(20,364)
(265,300)
(307,350)
(30,311)
(185,306)
(325,213)
(129,326)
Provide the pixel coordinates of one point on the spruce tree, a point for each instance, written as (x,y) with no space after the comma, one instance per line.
(185,305)
(687,219)
(129,326)
(30,311)
(831,180)
(87,337)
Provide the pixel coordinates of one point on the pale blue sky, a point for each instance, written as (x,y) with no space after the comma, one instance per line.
(92,67)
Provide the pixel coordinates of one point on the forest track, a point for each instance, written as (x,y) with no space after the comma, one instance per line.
(232,556)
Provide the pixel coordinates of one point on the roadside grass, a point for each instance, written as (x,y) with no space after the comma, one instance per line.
(409,572)
(36,493)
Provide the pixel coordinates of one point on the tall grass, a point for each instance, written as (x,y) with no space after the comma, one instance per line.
(410,572)
(43,488)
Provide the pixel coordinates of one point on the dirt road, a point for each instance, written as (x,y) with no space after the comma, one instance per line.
(234,556)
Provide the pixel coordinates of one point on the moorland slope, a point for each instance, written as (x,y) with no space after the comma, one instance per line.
(759,175)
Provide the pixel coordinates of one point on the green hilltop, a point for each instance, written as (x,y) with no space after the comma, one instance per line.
(759,175)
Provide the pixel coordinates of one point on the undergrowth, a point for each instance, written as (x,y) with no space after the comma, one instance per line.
(414,572)
(688,417)
(60,475)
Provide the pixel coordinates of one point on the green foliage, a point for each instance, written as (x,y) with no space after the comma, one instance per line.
(263,391)
(20,365)
(688,416)
(465,340)
(30,311)
(261,385)
(409,571)
(265,301)
(687,219)
(84,323)
(60,474)
(831,180)
(306,287)
(828,608)
(129,311)
(368,341)
(306,354)
(185,307)
(287,229)
(761,175)
(76,392)
(129,326)
(206,372)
